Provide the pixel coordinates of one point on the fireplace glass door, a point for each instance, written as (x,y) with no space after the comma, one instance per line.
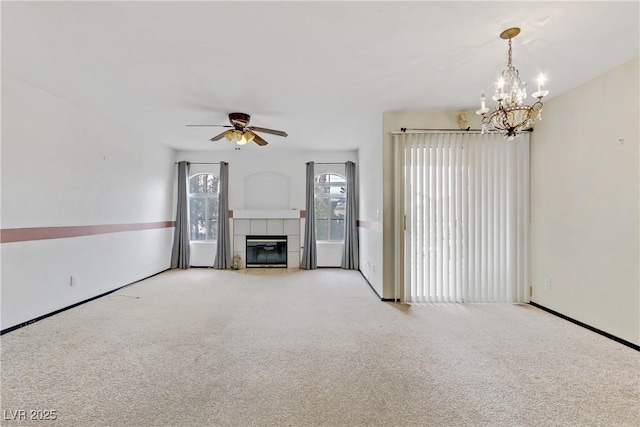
(266,251)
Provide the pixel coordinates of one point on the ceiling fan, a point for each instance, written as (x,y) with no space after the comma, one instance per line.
(241,132)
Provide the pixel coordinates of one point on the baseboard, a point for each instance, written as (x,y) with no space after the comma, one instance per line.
(44,316)
(369,283)
(584,325)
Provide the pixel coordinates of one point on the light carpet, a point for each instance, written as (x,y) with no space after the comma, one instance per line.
(203,347)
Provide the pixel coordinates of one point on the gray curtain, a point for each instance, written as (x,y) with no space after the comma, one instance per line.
(309,258)
(351,247)
(223,252)
(180,251)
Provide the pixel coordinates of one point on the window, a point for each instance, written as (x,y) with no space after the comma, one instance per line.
(330,191)
(203,207)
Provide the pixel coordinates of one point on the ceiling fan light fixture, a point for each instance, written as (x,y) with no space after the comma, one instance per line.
(241,133)
(236,135)
(247,136)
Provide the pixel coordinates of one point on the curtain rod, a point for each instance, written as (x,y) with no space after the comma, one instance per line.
(404,130)
(217,163)
(195,163)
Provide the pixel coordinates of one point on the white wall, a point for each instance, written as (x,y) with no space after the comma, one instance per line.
(585,204)
(276,167)
(65,166)
(371,209)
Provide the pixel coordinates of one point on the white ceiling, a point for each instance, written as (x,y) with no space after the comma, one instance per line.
(322,71)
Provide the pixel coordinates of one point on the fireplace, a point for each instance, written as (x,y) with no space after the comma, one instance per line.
(266,251)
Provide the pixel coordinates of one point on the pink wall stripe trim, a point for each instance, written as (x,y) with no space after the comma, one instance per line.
(9,235)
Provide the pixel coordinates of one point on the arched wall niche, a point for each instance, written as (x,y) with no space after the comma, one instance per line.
(266,190)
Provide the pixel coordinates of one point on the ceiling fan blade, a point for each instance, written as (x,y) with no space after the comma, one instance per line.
(258,140)
(219,137)
(271,131)
(222,126)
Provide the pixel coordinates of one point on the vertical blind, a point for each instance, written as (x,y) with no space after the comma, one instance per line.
(466,206)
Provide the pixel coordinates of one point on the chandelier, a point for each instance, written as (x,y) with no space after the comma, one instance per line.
(512,115)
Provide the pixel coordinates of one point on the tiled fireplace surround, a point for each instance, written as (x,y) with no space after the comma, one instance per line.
(267,223)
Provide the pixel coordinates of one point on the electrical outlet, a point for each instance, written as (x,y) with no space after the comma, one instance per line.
(548,283)
(73,280)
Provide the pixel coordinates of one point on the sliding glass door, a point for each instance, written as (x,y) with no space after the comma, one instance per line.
(464,208)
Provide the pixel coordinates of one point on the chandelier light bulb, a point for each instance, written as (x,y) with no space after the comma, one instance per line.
(541,92)
(541,80)
(483,107)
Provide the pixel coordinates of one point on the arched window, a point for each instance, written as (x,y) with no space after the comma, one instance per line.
(330,197)
(203,206)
